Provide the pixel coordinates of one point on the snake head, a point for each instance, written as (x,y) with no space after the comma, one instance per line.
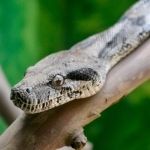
(58,79)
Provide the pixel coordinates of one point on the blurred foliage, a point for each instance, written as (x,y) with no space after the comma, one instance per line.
(3,125)
(30,30)
(18,37)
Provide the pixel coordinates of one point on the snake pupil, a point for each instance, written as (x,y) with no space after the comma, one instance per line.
(58,80)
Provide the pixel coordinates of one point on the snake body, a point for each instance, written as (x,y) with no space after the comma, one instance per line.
(81,71)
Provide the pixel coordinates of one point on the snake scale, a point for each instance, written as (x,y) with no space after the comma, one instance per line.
(81,71)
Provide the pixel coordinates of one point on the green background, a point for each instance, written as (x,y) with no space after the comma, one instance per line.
(30,30)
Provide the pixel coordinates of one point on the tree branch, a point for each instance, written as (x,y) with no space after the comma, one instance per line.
(7,109)
(54,128)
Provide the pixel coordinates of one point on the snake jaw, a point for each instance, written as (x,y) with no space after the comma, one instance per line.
(27,104)
(31,101)
(35,98)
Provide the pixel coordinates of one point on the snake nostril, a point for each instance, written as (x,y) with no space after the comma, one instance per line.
(18,95)
(28,90)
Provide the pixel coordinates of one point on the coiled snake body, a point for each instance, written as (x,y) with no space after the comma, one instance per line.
(81,71)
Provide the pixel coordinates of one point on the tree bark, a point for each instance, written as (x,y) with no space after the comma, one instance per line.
(54,128)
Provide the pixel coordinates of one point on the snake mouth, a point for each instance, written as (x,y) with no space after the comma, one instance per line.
(29,107)
(40,107)
(32,104)
(32,108)
(43,106)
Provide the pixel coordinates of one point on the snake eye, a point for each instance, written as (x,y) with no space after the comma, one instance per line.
(58,80)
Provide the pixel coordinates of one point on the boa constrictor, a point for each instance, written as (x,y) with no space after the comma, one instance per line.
(81,71)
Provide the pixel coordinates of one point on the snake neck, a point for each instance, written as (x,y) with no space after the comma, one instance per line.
(121,39)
